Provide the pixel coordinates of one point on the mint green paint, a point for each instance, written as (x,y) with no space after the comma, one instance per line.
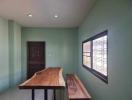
(10,54)
(116,17)
(15,53)
(61,47)
(4,55)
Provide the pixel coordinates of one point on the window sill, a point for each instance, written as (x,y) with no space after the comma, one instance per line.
(97,74)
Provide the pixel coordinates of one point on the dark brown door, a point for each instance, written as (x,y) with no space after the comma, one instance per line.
(36,57)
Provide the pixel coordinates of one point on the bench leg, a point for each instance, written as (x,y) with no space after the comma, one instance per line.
(54,94)
(33,94)
(46,94)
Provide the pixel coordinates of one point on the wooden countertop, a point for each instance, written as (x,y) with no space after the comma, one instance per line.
(49,78)
(76,90)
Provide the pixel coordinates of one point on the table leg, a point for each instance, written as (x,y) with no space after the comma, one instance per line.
(54,94)
(46,94)
(32,94)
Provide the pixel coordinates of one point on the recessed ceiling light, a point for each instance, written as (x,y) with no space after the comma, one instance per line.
(30,15)
(56,16)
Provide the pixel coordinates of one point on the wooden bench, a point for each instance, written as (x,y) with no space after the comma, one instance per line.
(76,90)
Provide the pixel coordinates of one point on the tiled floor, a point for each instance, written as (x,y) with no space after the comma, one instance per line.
(17,94)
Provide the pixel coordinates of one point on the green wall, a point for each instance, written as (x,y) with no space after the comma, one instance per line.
(61,47)
(116,17)
(4,55)
(10,53)
(15,53)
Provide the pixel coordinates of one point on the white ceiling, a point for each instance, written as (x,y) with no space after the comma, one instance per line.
(71,12)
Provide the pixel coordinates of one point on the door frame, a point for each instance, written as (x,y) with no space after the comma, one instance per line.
(28,53)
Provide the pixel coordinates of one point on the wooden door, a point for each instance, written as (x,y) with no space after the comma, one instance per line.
(35,57)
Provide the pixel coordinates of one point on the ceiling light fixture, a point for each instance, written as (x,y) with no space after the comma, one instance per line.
(30,15)
(56,16)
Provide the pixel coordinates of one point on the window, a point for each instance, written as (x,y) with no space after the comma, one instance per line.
(94,55)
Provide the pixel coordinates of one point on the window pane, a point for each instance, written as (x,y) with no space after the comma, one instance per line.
(87,61)
(86,47)
(100,55)
(87,54)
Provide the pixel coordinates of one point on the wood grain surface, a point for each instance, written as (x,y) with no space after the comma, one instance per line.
(49,78)
(76,90)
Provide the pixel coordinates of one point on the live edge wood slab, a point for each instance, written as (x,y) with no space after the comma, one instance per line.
(76,90)
(49,78)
